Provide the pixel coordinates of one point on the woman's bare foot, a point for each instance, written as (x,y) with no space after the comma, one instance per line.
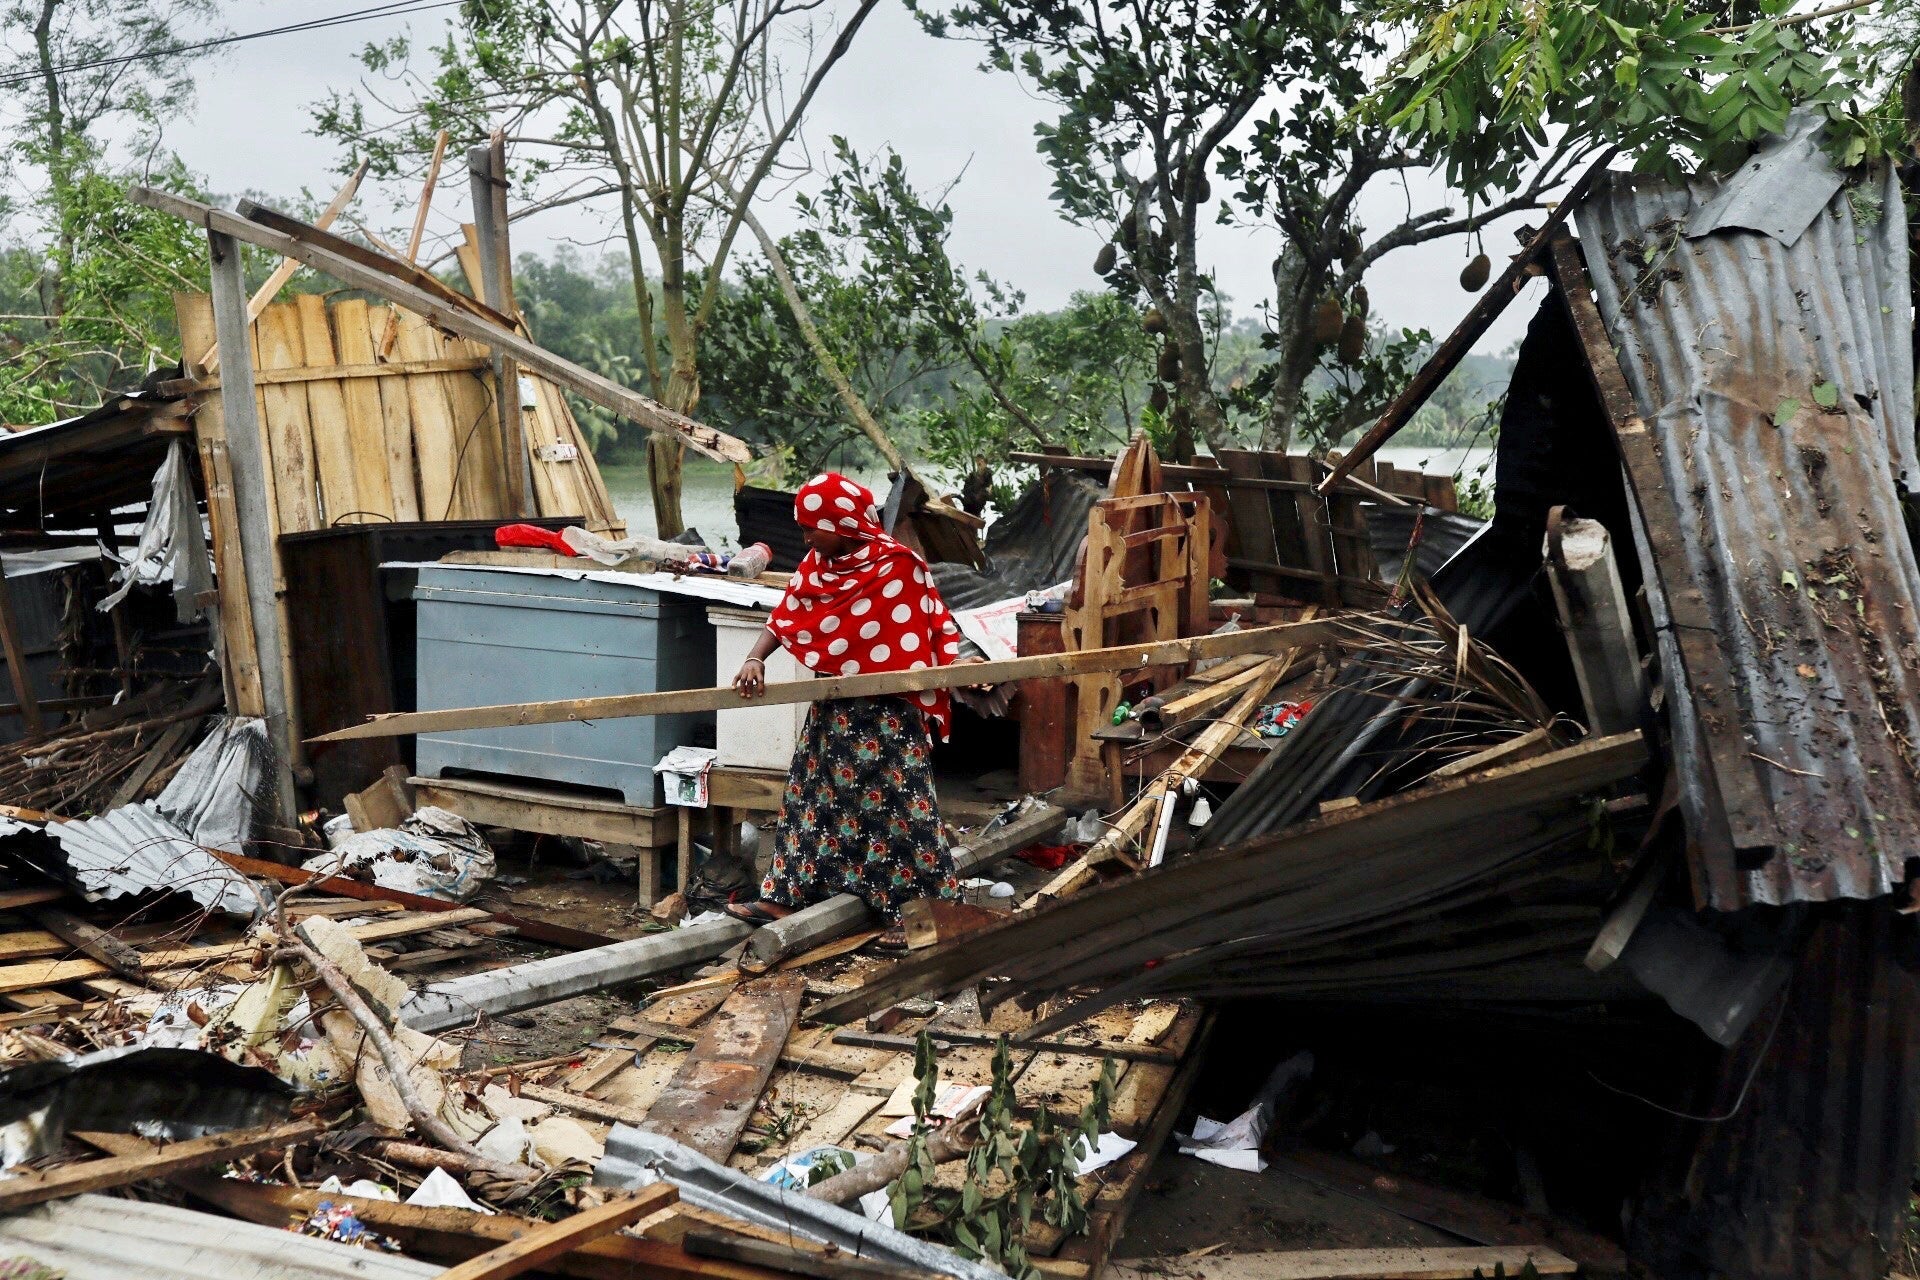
(764,911)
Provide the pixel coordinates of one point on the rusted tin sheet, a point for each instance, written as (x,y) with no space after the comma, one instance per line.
(1776,383)
(711,1097)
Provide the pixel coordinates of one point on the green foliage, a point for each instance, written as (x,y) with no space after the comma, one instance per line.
(1013,1173)
(117,266)
(1486,83)
(85,276)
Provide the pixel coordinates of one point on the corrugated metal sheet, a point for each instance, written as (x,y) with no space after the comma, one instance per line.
(1033,546)
(133,850)
(1805,1171)
(1390,530)
(1791,520)
(1780,191)
(94,1237)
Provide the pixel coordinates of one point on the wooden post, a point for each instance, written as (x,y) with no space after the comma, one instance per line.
(247,458)
(1593,613)
(487,170)
(17,663)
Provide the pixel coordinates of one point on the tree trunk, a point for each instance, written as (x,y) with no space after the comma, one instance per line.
(53,292)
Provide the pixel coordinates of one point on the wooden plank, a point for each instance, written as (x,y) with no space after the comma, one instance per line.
(96,944)
(352,369)
(436,437)
(160,753)
(407,926)
(289,425)
(579,1103)
(1433,1263)
(366,427)
(42,1185)
(396,418)
(1161,653)
(535,930)
(333,443)
(480,486)
(603,391)
(1743,799)
(548,812)
(711,1097)
(31,896)
(1141,1092)
(553,1239)
(1486,310)
(239,654)
(31,944)
(801,1262)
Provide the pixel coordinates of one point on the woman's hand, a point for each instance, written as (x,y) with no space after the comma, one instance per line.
(973,662)
(752,680)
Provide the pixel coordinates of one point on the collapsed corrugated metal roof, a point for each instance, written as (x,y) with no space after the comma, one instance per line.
(1775,378)
(1032,547)
(1482,887)
(162,844)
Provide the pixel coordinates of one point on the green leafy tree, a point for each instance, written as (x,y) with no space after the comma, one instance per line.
(940,359)
(1156,100)
(86,277)
(1676,87)
(675,113)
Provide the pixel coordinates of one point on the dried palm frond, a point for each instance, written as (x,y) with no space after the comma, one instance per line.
(1455,696)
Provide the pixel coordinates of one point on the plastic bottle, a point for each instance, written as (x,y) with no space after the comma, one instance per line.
(751,562)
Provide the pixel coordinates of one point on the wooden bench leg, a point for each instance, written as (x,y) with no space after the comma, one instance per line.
(683,844)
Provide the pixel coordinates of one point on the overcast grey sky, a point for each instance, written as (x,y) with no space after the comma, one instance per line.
(897,87)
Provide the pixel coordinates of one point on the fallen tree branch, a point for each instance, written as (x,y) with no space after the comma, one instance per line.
(949,1143)
(398,1069)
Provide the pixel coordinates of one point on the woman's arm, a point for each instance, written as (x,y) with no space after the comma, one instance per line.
(751,682)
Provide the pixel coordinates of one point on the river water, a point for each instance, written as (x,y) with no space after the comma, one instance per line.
(707,499)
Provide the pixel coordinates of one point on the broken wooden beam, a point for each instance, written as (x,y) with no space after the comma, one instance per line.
(1162,653)
(458,318)
(551,1240)
(42,1185)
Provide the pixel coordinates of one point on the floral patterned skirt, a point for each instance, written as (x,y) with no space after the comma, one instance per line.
(859,815)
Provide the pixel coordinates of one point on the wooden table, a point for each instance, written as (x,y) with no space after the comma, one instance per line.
(557,812)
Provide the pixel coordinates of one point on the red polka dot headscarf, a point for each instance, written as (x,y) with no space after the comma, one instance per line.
(873,609)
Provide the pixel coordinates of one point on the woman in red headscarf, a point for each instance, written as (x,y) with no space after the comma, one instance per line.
(859,815)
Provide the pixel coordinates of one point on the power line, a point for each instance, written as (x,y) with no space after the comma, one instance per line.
(393,9)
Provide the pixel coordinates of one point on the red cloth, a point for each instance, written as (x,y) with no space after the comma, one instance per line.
(1047,857)
(873,609)
(531,535)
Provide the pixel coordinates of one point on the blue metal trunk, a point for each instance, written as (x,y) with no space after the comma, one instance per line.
(495,636)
